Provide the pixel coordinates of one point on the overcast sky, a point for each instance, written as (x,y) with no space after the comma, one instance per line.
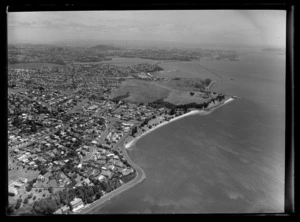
(221,27)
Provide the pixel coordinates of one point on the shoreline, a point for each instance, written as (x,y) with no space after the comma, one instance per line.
(192,112)
(140,174)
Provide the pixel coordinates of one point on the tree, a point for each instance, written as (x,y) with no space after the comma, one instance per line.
(134,130)
(90,191)
(50,189)
(43,171)
(207,81)
(16,122)
(45,206)
(89,200)
(28,187)
(63,195)
(98,195)
(172,111)
(104,186)
(18,204)
(25,200)
(71,194)
(11,209)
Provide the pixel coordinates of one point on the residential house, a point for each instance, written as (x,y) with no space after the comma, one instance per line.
(12,191)
(101,178)
(17,184)
(106,173)
(23,180)
(62,210)
(40,178)
(76,204)
(87,182)
(127,171)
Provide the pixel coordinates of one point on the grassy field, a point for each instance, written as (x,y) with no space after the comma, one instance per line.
(19,171)
(182,84)
(178,97)
(122,61)
(31,65)
(141,91)
(173,91)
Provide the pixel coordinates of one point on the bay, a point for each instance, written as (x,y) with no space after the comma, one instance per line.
(230,161)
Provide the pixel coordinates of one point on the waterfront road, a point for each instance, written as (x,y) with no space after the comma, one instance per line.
(140,176)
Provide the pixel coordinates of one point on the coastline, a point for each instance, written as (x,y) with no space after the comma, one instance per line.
(192,112)
(140,174)
(128,145)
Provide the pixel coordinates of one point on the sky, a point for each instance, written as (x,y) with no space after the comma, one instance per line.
(266,28)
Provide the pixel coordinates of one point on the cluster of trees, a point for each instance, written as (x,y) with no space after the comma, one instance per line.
(193,105)
(113,184)
(145,122)
(160,103)
(42,168)
(30,184)
(172,111)
(88,194)
(157,104)
(101,121)
(199,85)
(18,204)
(207,81)
(50,204)
(46,206)
(11,208)
(16,121)
(220,97)
(145,67)
(134,130)
(32,124)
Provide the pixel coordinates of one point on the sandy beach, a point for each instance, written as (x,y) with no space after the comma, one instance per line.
(192,112)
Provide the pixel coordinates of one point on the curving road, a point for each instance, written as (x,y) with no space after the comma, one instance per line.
(140,176)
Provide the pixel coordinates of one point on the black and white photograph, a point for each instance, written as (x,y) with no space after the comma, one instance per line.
(146,111)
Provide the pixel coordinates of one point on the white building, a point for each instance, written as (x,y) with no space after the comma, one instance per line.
(12,191)
(76,204)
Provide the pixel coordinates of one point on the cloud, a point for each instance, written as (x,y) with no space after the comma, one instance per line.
(19,24)
(257,27)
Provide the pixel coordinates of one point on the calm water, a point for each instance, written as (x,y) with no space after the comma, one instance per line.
(229,161)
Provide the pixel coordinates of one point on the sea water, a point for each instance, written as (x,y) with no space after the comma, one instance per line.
(230,161)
